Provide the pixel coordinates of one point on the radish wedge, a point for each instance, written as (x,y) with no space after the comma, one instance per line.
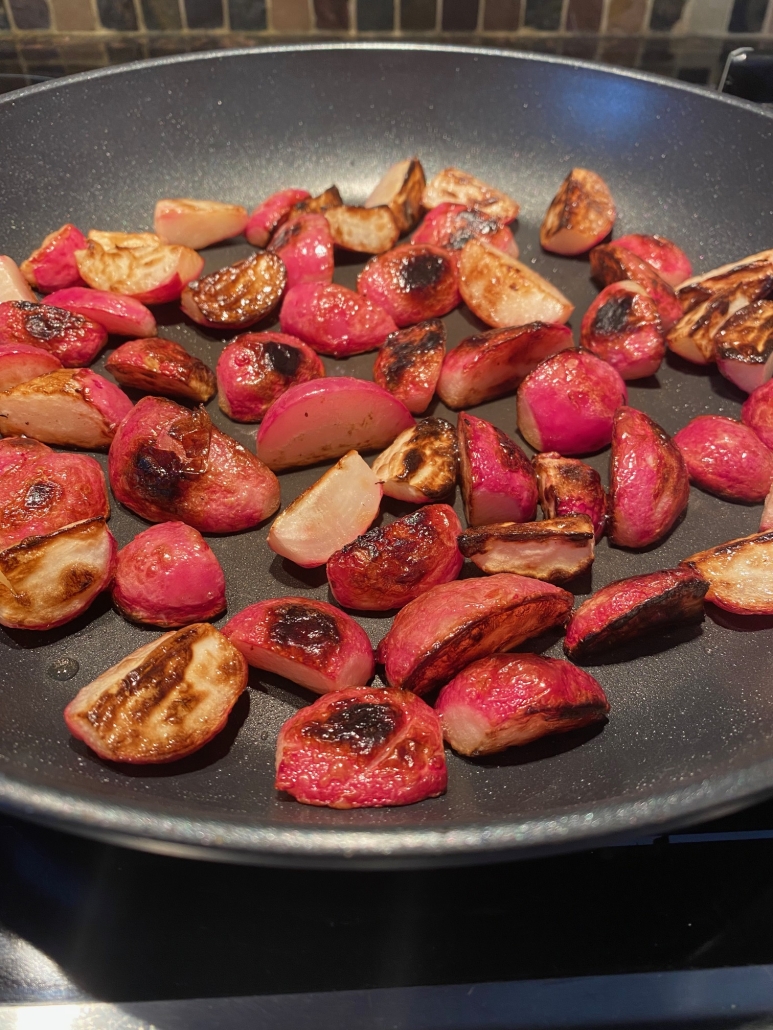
(305,246)
(138,265)
(366,230)
(400,189)
(610,263)
(13,285)
(71,338)
(409,361)
(757,413)
(162,367)
(554,550)
(123,316)
(412,283)
(622,326)
(19,363)
(198,223)
(700,288)
(726,458)
(580,215)
(671,263)
(238,295)
(422,464)
(744,346)
(497,479)
(567,486)
(270,214)
(453,186)
(333,319)
(52,266)
(738,574)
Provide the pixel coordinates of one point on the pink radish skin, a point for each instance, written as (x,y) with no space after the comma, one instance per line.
(757,413)
(567,404)
(13,285)
(138,265)
(270,214)
(611,263)
(450,226)
(409,362)
(412,283)
(497,479)
(671,263)
(334,320)
(123,316)
(622,326)
(305,245)
(19,363)
(71,338)
(726,458)
(52,266)
(766,521)
(325,418)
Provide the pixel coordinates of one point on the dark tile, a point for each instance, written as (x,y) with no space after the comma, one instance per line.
(582,48)
(502,15)
(584,15)
(7,50)
(117,14)
(4,22)
(332,14)
(700,76)
(248,15)
(53,71)
(460,15)
(31,14)
(38,54)
(748,15)
(543,14)
(375,15)
(417,15)
(121,51)
(539,44)
(204,14)
(665,14)
(626,15)
(160,15)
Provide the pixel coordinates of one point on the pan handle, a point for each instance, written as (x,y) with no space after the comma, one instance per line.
(748,74)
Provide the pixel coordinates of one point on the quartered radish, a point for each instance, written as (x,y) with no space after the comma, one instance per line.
(738,574)
(400,188)
(453,186)
(554,550)
(236,296)
(411,283)
(409,361)
(333,319)
(19,362)
(497,479)
(162,367)
(726,458)
(610,263)
(74,340)
(366,230)
(580,215)
(270,214)
(13,285)
(138,265)
(668,260)
(197,223)
(622,326)
(52,266)
(744,346)
(305,245)
(123,316)
(567,486)
(422,464)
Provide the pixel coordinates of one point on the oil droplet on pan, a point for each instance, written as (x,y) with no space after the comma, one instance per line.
(63,669)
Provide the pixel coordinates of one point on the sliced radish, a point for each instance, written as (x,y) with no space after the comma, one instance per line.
(236,296)
(744,346)
(567,486)
(671,263)
(610,263)
(162,367)
(726,458)
(305,245)
(411,283)
(622,326)
(71,338)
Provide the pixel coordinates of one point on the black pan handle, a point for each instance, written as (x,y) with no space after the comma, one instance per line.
(748,74)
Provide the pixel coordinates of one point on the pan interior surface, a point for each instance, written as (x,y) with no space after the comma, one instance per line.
(690,728)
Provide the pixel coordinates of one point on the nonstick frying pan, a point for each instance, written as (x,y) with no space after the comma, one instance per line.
(690,732)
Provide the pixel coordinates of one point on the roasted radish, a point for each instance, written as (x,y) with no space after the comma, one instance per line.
(52,266)
(633,608)
(567,403)
(766,520)
(162,367)
(307,641)
(137,265)
(123,316)
(366,230)
(422,464)
(623,327)
(511,699)
(610,263)
(270,214)
(757,413)
(453,186)
(391,565)
(700,288)
(168,576)
(744,346)
(738,574)
(19,363)
(238,295)
(580,215)
(71,338)
(694,337)
(256,368)
(167,462)
(411,283)
(567,486)
(331,513)
(554,549)
(163,701)
(442,631)
(305,245)
(671,263)
(451,226)
(318,205)
(409,362)
(13,285)
(497,479)
(400,189)
(197,223)
(333,319)
(726,458)
(361,748)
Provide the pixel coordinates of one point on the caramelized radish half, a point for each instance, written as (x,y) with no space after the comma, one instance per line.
(497,479)
(237,296)
(452,225)
(305,245)
(411,283)
(334,320)
(422,464)
(53,266)
(453,186)
(74,340)
(409,361)
(744,346)
(123,316)
(757,413)
(622,326)
(138,265)
(554,550)
(671,263)
(162,367)
(400,189)
(568,486)
(197,223)
(700,288)
(611,263)
(366,230)
(726,458)
(738,574)
(13,285)
(580,215)
(270,214)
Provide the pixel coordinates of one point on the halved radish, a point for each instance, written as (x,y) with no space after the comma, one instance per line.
(400,188)
(554,550)
(123,316)
(19,363)
(567,486)
(757,413)
(13,285)
(726,458)
(453,186)
(744,346)
(333,319)
(668,260)
(411,283)
(452,225)
(71,338)
(197,223)
(422,463)
(305,245)
(703,287)
(738,574)
(610,263)
(409,363)
(497,479)
(270,214)
(236,296)
(580,215)
(137,265)
(366,230)
(162,367)
(53,266)
(622,326)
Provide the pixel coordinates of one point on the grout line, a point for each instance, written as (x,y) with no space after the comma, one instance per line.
(482,16)
(312,16)
(352,9)
(438,15)
(396,16)
(563,16)
(183,15)
(604,17)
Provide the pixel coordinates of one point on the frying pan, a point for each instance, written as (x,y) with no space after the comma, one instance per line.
(691,727)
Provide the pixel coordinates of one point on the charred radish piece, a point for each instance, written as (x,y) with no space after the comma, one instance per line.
(421,465)
(123,316)
(567,404)
(308,642)
(52,266)
(13,285)
(632,608)
(331,513)
(168,576)
(454,624)
(450,226)
(236,296)
(162,702)
(411,283)
(700,288)
(256,368)
(757,413)
(333,319)
(162,367)
(138,265)
(694,337)
(305,245)
(497,479)
(580,215)
(46,581)
(270,214)
(324,419)
(610,263)
(648,482)
(744,346)
(622,326)
(197,223)
(671,263)
(19,363)
(361,748)
(726,458)
(391,565)
(568,486)
(167,462)
(738,574)
(400,189)
(366,230)
(74,340)
(68,407)
(409,362)
(318,205)
(554,550)
(507,700)
(453,186)
(491,364)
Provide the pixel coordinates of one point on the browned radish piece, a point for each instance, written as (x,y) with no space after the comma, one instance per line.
(163,367)
(13,285)
(438,634)
(331,513)
(52,266)
(744,346)
(238,295)
(766,520)
(333,319)
(43,490)
(366,230)
(391,565)
(318,205)
(610,263)
(633,608)
(567,486)
(451,226)
(726,458)
(400,189)
(671,263)
(567,403)
(270,214)
(361,748)
(256,368)
(305,245)
(168,576)
(623,327)
(123,316)
(69,407)
(422,464)
(74,340)
(757,413)
(138,265)
(580,215)
(493,363)
(167,462)
(497,479)
(19,363)
(409,362)
(554,549)
(324,419)
(694,337)
(162,702)
(738,574)
(453,186)
(411,283)
(648,483)
(504,292)
(507,700)
(700,288)
(306,641)
(197,223)
(46,581)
